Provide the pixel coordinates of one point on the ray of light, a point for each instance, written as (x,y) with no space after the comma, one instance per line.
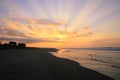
(36,10)
(61,21)
(49,7)
(85,11)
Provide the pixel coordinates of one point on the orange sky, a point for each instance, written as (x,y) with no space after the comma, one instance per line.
(61,23)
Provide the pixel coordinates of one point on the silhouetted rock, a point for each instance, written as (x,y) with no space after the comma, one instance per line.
(5,45)
(21,45)
(12,45)
(0,43)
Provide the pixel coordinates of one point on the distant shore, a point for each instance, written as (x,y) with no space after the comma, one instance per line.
(38,64)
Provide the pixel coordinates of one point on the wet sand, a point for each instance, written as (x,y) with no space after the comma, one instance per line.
(39,64)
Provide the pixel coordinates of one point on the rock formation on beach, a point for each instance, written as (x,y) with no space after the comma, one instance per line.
(12,45)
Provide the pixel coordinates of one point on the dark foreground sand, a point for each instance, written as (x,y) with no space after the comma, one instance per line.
(38,64)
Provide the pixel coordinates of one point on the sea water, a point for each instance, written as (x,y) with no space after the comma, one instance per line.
(105,61)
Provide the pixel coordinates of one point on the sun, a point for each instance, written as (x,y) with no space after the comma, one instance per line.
(60,37)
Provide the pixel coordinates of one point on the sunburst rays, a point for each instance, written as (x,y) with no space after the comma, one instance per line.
(62,20)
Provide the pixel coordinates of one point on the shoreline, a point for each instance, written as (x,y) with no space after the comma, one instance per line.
(39,64)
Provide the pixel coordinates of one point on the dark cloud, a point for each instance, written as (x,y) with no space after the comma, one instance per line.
(9,32)
(26,39)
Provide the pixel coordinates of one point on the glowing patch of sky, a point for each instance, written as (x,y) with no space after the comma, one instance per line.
(62,18)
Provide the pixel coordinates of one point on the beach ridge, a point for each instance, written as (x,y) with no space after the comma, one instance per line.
(39,64)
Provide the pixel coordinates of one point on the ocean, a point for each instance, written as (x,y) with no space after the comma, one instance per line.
(103,60)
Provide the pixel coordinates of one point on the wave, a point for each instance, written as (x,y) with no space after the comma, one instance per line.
(100,48)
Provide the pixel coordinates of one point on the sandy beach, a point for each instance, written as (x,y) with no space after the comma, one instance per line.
(39,64)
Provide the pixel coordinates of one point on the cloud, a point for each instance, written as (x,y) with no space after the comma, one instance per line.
(86,28)
(27,39)
(76,35)
(23,34)
(80,32)
(12,33)
(35,21)
(31,30)
(86,34)
(12,29)
(106,42)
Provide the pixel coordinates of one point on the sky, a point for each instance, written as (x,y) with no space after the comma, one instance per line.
(61,23)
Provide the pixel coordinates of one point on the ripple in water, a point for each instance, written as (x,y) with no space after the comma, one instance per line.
(104,61)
